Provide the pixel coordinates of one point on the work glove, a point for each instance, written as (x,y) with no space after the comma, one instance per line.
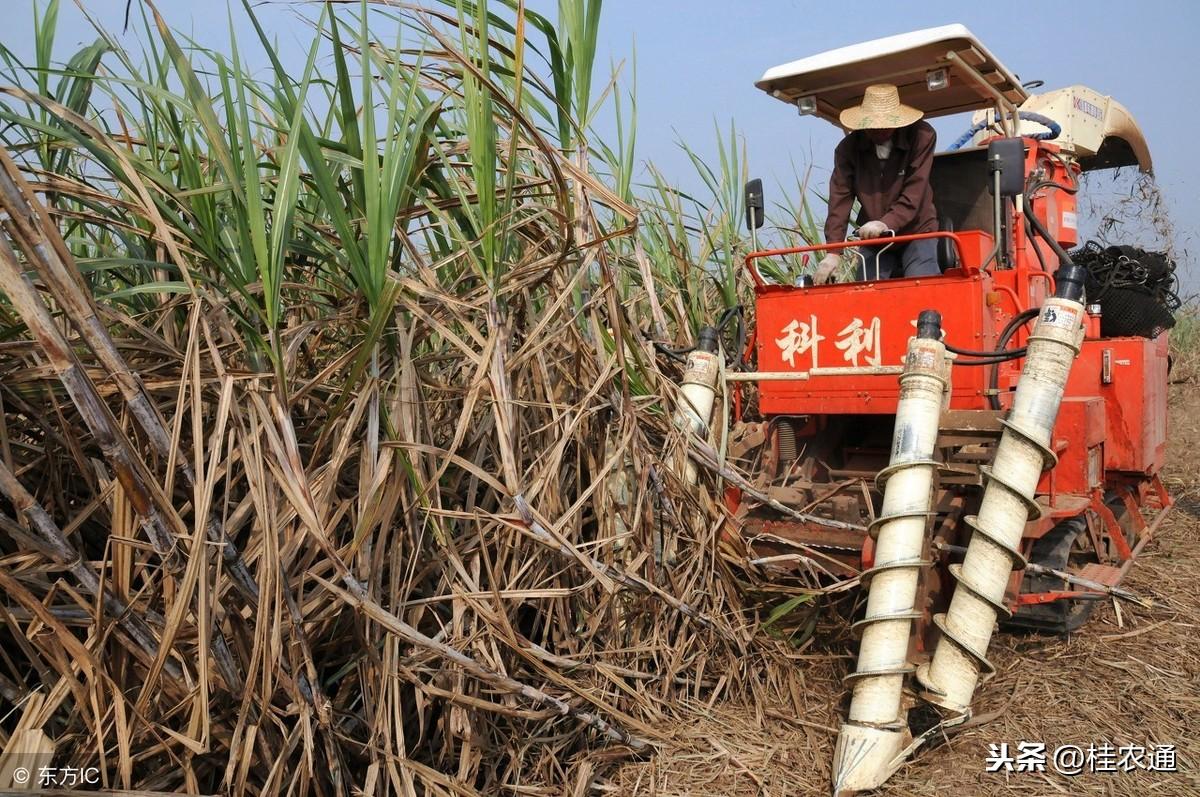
(872,229)
(826,267)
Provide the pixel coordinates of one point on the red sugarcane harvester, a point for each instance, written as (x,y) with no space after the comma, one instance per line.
(972,445)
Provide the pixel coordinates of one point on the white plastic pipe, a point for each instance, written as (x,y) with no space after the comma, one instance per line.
(700,377)
(1024,451)
(876,729)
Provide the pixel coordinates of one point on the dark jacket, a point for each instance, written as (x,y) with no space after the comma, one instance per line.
(895,191)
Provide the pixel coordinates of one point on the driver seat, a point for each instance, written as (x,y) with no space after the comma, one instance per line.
(947,255)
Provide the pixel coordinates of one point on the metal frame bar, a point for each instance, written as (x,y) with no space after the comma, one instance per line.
(1009,123)
(833,247)
(796,376)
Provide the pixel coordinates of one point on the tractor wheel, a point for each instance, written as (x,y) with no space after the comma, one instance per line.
(1065,547)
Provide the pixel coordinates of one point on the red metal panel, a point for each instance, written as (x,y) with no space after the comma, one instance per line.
(1135,398)
(975,247)
(1055,208)
(864,324)
(1080,428)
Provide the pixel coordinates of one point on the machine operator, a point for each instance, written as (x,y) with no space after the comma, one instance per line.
(884,163)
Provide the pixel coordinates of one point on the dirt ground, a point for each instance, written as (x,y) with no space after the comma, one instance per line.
(1131,677)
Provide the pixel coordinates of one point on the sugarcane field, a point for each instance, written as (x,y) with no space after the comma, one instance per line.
(583,399)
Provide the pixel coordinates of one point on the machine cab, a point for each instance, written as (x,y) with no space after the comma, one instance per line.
(848,339)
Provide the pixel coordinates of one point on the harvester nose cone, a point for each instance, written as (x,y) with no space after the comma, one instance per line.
(865,757)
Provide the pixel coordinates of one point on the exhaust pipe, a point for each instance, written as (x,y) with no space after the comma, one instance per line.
(876,730)
(960,658)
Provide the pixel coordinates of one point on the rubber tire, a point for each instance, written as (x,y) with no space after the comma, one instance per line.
(1054,550)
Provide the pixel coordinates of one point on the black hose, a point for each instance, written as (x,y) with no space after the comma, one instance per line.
(1015,354)
(675,354)
(1000,354)
(997,355)
(1015,323)
(1031,189)
(1038,186)
(1010,329)
(1064,259)
(1037,250)
(736,362)
(988,361)
(1032,224)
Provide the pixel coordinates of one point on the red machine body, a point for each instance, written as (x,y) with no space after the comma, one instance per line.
(846,342)
(975,302)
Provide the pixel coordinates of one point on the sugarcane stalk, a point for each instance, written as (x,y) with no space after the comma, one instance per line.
(356,596)
(62,553)
(127,466)
(29,227)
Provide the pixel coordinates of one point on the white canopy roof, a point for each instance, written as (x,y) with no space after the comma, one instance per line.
(839,77)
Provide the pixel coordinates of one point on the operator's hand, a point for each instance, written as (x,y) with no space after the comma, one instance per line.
(826,267)
(872,229)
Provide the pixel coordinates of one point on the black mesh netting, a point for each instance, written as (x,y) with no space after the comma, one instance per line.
(1134,288)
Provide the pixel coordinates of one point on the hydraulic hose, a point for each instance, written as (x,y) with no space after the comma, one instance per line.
(1033,226)
(1053,129)
(960,659)
(999,355)
(1010,329)
(993,358)
(876,729)
(1016,355)
(1064,259)
(737,359)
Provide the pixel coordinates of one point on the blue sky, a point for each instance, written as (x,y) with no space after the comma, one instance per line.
(697,61)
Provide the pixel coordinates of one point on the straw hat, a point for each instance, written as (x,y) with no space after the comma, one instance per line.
(881,108)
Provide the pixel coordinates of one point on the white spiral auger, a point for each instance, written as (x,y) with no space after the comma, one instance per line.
(876,730)
(960,658)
